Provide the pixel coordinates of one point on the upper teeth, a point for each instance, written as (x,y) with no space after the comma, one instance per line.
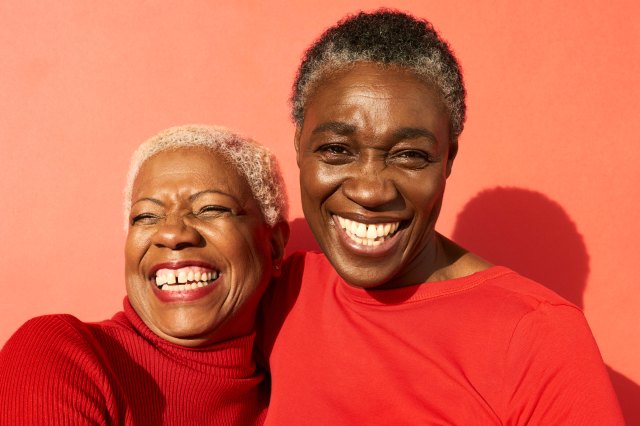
(190,276)
(372,234)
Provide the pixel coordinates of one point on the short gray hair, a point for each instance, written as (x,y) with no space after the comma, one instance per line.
(252,161)
(388,38)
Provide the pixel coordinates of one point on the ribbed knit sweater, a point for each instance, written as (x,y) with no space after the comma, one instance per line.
(57,370)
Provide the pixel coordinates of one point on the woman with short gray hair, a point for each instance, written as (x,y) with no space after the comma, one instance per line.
(394,323)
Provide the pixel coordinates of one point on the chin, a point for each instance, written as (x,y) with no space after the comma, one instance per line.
(370,280)
(188,331)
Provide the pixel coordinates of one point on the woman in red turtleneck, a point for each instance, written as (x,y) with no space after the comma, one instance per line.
(206,226)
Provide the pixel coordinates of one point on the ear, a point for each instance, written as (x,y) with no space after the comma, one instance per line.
(453,151)
(296,143)
(279,239)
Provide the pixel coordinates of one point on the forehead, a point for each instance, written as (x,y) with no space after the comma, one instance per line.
(192,166)
(394,86)
(378,97)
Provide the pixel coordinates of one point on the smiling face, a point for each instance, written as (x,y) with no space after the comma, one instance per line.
(374,154)
(198,254)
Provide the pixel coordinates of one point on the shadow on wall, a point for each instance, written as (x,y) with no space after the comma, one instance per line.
(533,235)
(301,238)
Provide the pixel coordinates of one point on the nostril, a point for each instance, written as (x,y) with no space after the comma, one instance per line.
(182,245)
(370,191)
(177,236)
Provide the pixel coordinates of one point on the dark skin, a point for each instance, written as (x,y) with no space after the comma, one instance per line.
(191,209)
(374,150)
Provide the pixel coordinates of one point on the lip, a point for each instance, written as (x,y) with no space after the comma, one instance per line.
(361,250)
(177,264)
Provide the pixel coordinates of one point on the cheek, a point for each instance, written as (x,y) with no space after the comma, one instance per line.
(135,247)
(319,180)
(246,248)
(424,196)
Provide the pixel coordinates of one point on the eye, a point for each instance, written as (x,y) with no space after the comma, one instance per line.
(334,153)
(411,158)
(145,219)
(212,210)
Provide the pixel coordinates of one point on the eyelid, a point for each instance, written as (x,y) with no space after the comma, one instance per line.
(215,207)
(328,146)
(211,210)
(144,215)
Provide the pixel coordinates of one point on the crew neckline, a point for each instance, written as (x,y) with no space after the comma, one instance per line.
(419,292)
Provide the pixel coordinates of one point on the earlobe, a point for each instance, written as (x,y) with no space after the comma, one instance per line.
(279,239)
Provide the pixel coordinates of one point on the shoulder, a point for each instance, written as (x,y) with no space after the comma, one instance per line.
(60,340)
(553,359)
(47,331)
(50,368)
(520,291)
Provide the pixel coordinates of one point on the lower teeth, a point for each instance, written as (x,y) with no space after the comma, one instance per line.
(367,241)
(183,287)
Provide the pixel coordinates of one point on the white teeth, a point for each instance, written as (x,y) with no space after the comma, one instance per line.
(187,278)
(184,287)
(368,235)
(372,232)
(352,226)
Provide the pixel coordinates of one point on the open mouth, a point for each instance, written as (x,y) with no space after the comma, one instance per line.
(187,278)
(368,234)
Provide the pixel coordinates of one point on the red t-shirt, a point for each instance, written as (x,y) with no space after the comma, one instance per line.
(490,348)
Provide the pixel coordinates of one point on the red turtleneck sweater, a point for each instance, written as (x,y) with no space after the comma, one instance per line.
(57,370)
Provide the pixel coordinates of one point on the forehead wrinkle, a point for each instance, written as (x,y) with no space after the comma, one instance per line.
(150,199)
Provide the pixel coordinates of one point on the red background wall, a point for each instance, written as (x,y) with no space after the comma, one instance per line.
(546,180)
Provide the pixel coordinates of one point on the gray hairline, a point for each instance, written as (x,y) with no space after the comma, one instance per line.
(254,162)
(425,68)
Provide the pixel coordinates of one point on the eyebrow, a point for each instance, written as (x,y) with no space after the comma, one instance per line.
(414,133)
(213,191)
(191,197)
(398,135)
(335,127)
(153,200)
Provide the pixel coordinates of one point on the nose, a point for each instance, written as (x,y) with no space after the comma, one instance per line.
(369,185)
(175,234)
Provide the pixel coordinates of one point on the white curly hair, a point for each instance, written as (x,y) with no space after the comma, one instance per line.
(251,160)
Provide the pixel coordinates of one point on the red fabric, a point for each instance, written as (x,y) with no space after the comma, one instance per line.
(491,348)
(57,370)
